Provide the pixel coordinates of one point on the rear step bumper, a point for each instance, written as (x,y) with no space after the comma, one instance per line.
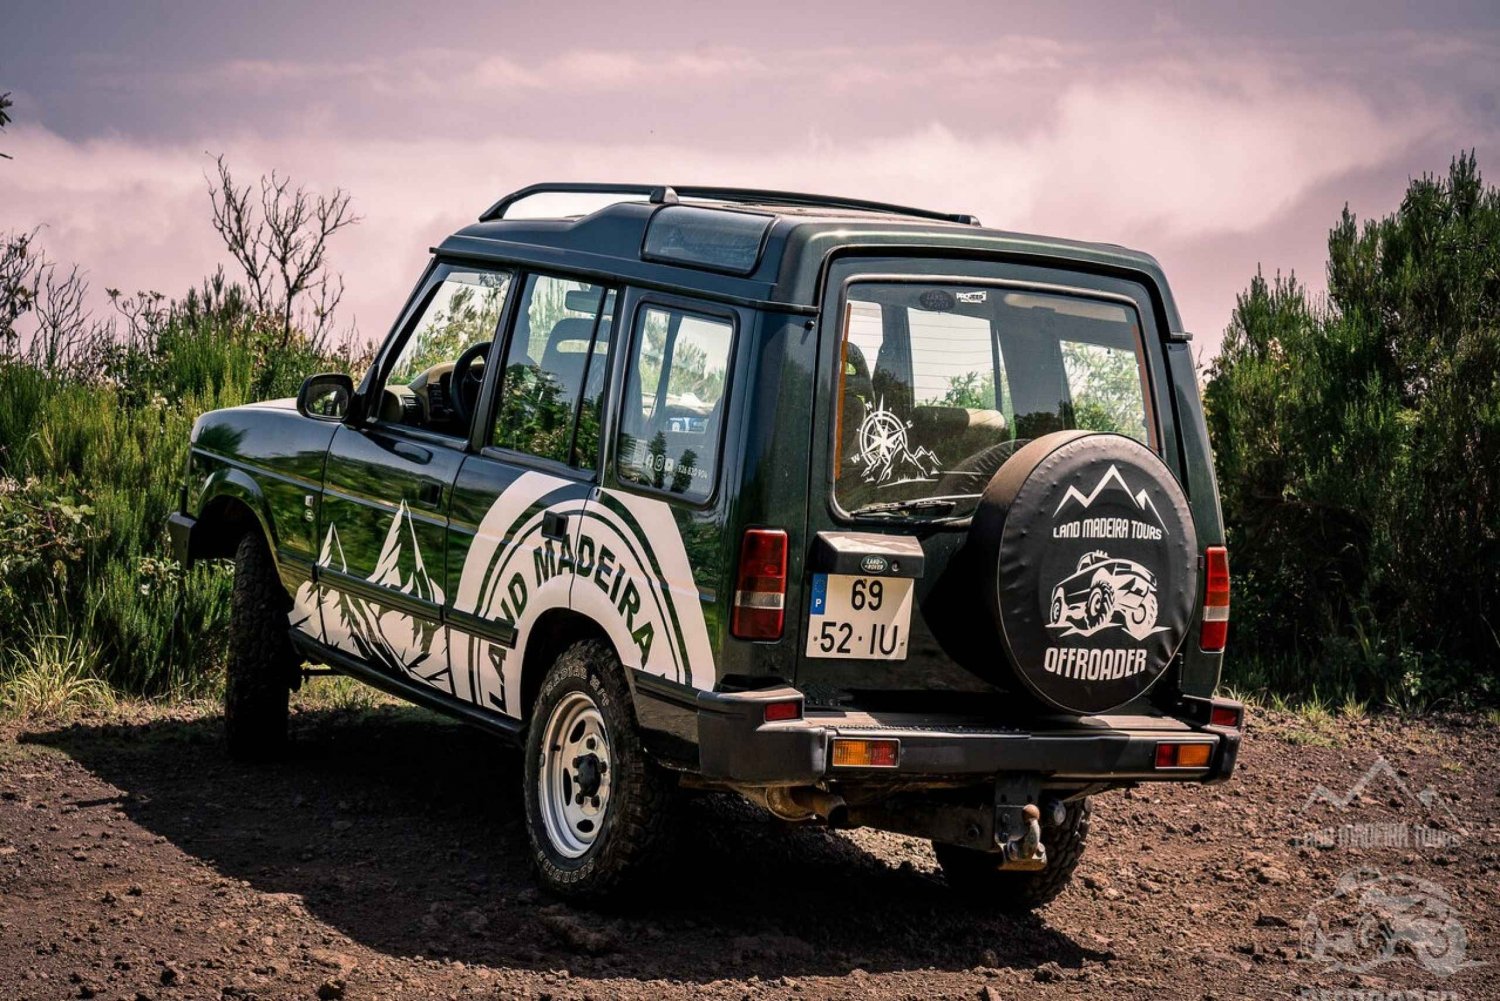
(736,744)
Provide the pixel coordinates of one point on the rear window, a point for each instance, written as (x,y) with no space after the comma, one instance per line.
(941,383)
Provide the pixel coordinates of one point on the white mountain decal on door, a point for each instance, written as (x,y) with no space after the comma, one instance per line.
(377,633)
(1111,477)
(401,566)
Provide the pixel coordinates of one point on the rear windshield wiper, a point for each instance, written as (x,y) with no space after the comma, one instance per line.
(906,506)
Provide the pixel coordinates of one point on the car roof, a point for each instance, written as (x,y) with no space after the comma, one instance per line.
(802,231)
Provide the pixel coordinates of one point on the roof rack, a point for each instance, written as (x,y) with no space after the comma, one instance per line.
(667,194)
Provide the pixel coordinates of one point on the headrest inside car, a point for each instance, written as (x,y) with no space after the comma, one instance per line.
(582,300)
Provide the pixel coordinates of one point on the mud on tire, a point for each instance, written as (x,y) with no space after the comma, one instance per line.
(633,828)
(974,874)
(262,662)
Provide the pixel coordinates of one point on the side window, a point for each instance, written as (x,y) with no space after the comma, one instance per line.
(547,364)
(420,389)
(673,404)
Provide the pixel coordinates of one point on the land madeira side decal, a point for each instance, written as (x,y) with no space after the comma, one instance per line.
(616,558)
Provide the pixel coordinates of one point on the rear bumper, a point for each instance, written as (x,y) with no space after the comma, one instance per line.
(737,745)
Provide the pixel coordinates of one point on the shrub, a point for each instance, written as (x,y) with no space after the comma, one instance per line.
(1357,442)
(90,467)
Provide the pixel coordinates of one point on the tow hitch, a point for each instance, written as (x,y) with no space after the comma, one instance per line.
(1018,824)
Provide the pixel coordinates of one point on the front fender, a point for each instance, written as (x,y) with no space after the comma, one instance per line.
(220,524)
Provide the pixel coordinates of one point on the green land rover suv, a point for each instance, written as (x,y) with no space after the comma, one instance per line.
(867,513)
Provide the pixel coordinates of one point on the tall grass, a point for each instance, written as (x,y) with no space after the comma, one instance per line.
(52,670)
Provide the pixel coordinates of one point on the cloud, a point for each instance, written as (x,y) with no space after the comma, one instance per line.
(1162,152)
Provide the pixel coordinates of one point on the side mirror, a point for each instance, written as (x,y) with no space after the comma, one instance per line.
(325,397)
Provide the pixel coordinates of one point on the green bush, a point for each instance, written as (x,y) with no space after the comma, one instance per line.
(1357,442)
(90,467)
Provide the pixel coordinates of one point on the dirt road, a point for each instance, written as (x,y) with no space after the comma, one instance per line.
(387,861)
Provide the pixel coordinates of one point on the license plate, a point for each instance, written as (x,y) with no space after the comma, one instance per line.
(859,618)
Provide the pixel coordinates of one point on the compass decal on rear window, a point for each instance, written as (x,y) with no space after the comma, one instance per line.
(885,451)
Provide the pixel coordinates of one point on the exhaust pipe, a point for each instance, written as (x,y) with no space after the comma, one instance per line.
(828,805)
(798,803)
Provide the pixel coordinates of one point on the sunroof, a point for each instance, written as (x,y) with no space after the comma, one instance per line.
(715,239)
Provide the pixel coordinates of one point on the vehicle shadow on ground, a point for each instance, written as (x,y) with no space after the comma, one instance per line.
(405,833)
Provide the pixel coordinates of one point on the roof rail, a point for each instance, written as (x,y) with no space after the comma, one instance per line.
(670,193)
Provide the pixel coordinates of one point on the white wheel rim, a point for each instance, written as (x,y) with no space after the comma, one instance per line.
(575,775)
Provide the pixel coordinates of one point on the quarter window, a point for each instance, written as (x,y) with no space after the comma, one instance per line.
(673,404)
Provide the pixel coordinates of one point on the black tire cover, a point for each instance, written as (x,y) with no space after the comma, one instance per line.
(1090,566)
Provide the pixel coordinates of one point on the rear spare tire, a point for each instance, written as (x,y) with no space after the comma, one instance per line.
(1089,563)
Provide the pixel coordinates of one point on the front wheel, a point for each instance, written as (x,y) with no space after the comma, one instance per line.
(976,874)
(597,808)
(262,663)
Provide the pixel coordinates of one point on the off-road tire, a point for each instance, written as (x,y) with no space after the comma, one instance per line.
(1145,615)
(262,662)
(974,874)
(1098,613)
(636,827)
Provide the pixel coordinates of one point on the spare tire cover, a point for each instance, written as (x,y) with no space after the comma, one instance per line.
(1091,567)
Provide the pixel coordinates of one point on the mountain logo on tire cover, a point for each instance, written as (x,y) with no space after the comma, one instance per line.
(1111,477)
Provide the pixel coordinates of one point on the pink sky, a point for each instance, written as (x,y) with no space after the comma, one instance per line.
(1214,141)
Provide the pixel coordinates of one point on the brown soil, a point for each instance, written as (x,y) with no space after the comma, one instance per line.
(388,861)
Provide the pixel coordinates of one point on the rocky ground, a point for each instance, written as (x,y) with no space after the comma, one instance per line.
(387,860)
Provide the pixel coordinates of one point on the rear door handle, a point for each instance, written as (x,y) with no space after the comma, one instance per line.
(554,525)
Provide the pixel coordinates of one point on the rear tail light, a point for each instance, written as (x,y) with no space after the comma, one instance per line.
(1229,716)
(1216,600)
(760,586)
(779,712)
(851,753)
(1180,755)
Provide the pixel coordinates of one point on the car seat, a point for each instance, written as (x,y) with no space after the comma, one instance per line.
(565,358)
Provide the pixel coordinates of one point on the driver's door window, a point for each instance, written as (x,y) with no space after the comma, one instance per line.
(434,381)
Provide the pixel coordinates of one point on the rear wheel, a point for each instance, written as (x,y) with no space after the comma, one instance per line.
(1143,616)
(977,875)
(597,808)
(262,663)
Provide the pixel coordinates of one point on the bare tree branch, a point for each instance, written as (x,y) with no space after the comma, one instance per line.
(22,268)
(5,105)
(281,244)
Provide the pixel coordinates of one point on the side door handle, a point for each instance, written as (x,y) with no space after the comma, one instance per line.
(554,525)
(413,453)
